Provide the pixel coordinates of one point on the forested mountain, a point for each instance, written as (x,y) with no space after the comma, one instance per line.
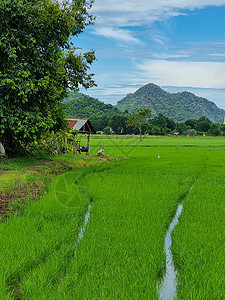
(179,106)
(84,106)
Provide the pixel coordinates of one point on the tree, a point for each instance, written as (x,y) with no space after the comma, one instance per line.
(38,65)
(215,129)
(181,127)
(222,128)
(156,130)
(192,123)
(139,118)
(191,132)
(118,123)
(160,121)
(203,124)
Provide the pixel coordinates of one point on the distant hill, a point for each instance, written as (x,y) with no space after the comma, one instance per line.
(84,106)
(179,106)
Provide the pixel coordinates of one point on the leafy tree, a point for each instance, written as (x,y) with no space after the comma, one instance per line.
(165,124)
(107,130)
(37,66)
(222,128)
(191,132)
(203,124)
(138,118)
(170,124)
(215,129)
(160,121)
(192,123)
(181,127)
(118,124)
(156,130)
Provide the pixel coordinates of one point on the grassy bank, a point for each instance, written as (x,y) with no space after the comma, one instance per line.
(25,179)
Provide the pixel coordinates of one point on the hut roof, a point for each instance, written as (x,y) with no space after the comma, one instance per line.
(83,125)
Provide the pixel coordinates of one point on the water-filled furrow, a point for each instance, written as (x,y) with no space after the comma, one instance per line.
(83,228)
(167,287)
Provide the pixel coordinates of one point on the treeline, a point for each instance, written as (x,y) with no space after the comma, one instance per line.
(110,120)
(161,125)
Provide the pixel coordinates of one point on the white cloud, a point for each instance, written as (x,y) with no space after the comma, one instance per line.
(174,73)
(142,12)
(169,56)
(218,55)
(117,34)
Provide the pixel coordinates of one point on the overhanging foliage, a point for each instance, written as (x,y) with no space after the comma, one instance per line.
(37,65)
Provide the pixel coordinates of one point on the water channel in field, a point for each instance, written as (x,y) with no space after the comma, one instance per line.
(167,287)
(83,228)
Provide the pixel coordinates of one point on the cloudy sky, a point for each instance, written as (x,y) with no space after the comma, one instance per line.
(177,44)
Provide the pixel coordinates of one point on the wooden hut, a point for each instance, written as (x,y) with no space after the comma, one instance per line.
(83,126)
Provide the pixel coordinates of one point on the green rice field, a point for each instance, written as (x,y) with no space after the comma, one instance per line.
(99,231)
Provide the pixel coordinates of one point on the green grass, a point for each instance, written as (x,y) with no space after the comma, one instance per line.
(120,145)
(199,241)
(121,255)
(46,228)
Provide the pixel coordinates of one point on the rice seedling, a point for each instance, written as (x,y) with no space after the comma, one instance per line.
(199,242)
(121,254)
(45,229)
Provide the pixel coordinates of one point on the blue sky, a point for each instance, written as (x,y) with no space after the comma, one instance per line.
(178,45)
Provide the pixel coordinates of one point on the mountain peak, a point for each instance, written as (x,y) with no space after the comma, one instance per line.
(180,106)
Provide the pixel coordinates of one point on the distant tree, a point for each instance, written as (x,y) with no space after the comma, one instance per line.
(160,121)
(107,130)
(118,123)
(138,118)
(203,124)
(156,130)
(99,122)
(37,66)
(222,128)
(215,129)
(171,125)
(192,123)
(181,127)
(191,132)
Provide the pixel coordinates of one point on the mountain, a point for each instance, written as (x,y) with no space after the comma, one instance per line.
(179,107)
(84,106)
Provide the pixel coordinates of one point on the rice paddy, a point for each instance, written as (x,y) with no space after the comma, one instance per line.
(99,232)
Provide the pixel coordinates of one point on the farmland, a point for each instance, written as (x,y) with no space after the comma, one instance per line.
(120,253)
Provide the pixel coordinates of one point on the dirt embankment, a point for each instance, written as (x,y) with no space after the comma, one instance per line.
(12,200)
(32,182)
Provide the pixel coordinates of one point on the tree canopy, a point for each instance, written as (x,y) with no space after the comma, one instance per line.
(38,64)
(138,118)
